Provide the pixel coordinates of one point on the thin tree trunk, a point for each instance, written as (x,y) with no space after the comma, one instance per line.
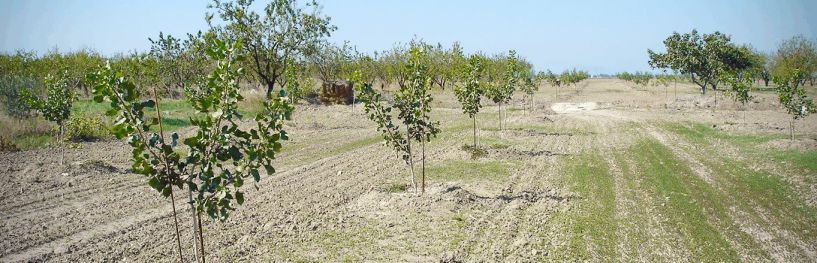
(176,223)
(411,166)
(423,171)
(791,128)
(195,225)
(201,237)
(475,131)
(62,144)
(500,117)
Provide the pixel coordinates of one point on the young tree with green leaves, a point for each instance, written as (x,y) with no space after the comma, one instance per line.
(530,84)
(470,93)
(220,155)
(501,93)
(56,107)
(413,103)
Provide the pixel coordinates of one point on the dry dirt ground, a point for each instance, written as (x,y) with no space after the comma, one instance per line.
(603,171)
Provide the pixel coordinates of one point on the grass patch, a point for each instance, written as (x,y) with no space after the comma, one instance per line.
(687,201)
(593,225)
(33,141)
(396,188)
(701,133)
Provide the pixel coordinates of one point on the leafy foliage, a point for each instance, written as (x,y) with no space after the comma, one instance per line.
(12,88)
(221,155)
(792,95)
(470,93)
(282,32)
(706,58)
(84,128)
(57,105)
(413,102)
(638,78)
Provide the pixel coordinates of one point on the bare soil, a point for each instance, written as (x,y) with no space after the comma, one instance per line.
(330,199)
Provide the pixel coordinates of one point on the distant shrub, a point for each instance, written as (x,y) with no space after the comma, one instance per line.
(11,97)
(83,129)
(7,146)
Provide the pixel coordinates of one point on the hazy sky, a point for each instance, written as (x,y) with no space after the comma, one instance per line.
(599,36)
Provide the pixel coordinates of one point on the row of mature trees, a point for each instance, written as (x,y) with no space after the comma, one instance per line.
(713,61)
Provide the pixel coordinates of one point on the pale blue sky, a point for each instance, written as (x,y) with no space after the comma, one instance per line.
(600,36)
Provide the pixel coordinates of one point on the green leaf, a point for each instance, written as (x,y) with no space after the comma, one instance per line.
(239,197)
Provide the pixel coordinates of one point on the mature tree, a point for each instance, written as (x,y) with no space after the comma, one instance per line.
(797,54)
(333,62)
(470,93)
(177,62)
(705,58)
(285,30)
(446,64)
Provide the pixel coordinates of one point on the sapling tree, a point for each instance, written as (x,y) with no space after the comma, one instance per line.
(501,93)
(793,97)
(56,107)
(413,103)
(740,89)
(220,157)
(530,84)
(470,93)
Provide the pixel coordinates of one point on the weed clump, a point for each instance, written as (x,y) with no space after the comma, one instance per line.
(476,152)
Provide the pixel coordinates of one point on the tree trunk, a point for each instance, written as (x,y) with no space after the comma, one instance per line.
(176,223)
(195,226)
(62,144)
(475,131)
(791,128)
(201,237)
(270,87)
(500,117)
(411,166)
(675,89)
(423,169)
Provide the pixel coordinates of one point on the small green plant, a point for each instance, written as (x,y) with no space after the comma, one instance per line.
(396,188)
(56,107)
(470,93)
(7,146)
(476,152)
(83,129)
